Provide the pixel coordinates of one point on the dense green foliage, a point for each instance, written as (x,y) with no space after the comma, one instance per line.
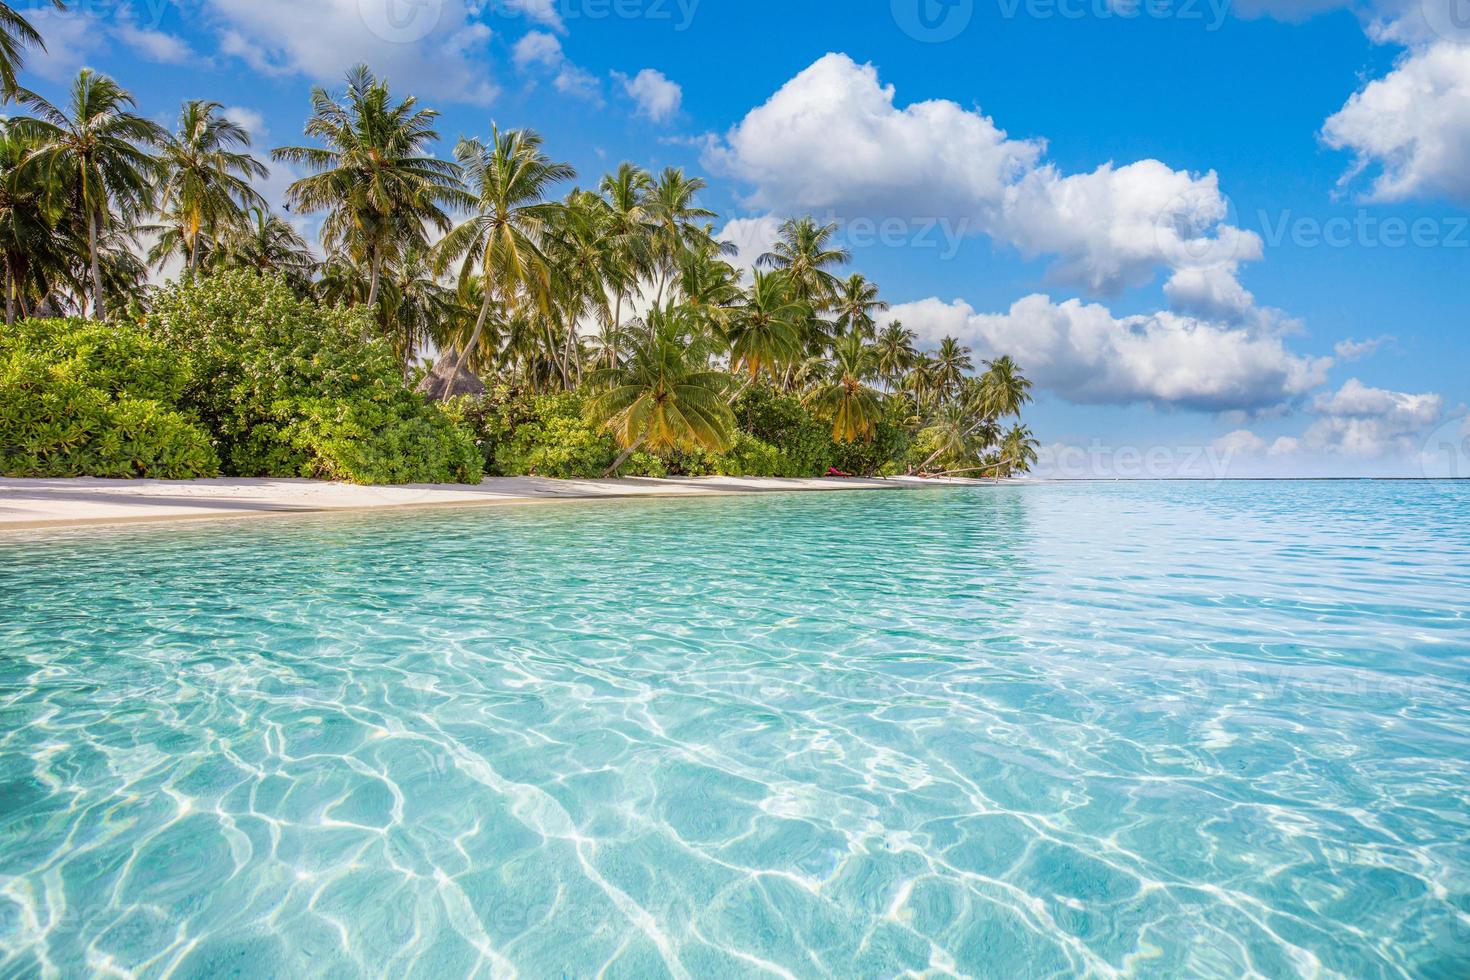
(82,399)
(294,364)
(290,387)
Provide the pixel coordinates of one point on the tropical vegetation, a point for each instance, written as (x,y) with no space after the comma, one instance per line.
(462,314)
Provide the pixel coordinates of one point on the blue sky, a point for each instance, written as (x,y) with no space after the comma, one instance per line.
(1224,238)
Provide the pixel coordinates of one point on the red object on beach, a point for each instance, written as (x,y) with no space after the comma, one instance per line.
(834,471)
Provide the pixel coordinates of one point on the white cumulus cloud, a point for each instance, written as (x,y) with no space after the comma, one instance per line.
(655,96)
(1086,354)
(437,49)
(834,140)
(1411,128)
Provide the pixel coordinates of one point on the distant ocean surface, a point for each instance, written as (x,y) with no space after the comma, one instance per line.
(1152,729)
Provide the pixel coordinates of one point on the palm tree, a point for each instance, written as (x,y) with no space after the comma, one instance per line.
(375,178)
(17,34)
(1002,388)
(804,250)
(1017,452)
(630,223)
(268,244)
(94,158)
(583,252)
(510,180)
(765,330)
(896,352)
(676,221)
(856,302)
(846,399)
(951,363)
(957,433)
(207,171)
(30,249)
(418,302)
(664,398)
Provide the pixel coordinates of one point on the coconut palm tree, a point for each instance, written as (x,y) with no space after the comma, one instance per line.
(31,250)
(677,222)
(896,352)
(855,303)
(957,433)
(206,177)
(375,179)
(951,363)
(853,407)
(765,331)
(94,155)
(266,243)
(1002,388)
(664,397)
(510,180)
(16,34)
(631,224)
(804,250)
(1017,452)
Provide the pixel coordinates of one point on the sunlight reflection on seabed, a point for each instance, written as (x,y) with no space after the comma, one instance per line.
(1175,729)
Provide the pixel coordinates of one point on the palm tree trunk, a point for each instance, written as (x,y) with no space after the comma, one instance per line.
(9,295)
(375,278)
(99,309)
(464,355)
(618,463)
(617,325)
(194,254)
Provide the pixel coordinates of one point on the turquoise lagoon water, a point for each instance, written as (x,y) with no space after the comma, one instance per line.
(1136,729)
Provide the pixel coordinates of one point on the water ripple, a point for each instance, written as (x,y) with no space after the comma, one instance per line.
(1136,730)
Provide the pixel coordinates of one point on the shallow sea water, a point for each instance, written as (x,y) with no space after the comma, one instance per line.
(1101,729)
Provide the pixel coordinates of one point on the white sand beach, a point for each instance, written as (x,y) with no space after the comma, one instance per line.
(26,503)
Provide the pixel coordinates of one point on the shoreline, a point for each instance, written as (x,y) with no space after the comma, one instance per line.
(42,504)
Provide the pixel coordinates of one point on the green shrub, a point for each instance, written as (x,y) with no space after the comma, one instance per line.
(778,420)
(883,455)
(293,388)
(520,434)
(84,399)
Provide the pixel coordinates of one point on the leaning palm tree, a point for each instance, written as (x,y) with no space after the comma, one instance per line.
(855,303)
(95,158)
(207,171)
(375,178)
(664,397)
(17,34)
(510,180)
(846,398)
(765,330)
(1017,452)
